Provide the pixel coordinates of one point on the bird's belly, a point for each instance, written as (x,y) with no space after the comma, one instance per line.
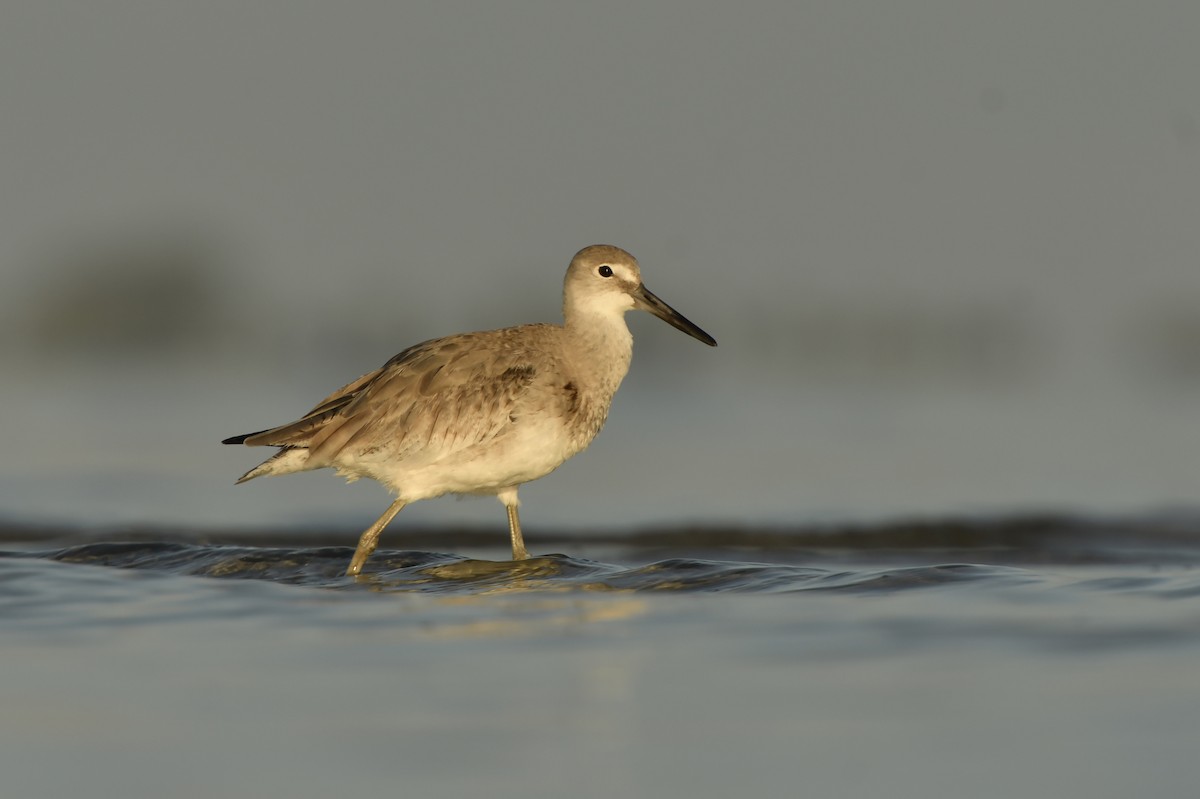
(526,453)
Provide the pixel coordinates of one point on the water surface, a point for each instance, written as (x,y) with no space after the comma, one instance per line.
(991,658)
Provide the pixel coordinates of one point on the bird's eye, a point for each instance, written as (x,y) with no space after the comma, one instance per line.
(605,271)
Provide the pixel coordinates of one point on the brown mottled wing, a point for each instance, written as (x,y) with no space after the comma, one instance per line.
(299,432)
(433,399)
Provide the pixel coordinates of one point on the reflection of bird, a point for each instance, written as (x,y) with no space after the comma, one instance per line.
(479,413)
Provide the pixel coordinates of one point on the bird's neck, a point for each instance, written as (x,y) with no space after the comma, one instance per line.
(602,348)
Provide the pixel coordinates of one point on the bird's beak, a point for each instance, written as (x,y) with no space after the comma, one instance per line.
(644,298)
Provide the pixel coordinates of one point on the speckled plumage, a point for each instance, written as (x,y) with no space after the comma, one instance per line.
(479,413)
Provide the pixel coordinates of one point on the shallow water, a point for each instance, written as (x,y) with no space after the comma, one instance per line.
(988,659)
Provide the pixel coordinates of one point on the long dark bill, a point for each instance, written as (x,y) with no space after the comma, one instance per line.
(644,298)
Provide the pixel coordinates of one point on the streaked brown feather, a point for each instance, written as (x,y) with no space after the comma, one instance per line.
(420,396)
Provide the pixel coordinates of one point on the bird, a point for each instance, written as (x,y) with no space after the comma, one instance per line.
(479,413)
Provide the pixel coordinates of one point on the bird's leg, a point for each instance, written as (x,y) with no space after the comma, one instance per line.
(509,497)
(514,528)
(370,539)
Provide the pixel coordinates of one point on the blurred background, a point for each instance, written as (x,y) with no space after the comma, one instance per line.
(950,251)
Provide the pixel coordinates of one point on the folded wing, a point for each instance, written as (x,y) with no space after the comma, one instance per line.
(431,400)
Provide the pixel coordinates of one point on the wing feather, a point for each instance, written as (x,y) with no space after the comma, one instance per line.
(432,399)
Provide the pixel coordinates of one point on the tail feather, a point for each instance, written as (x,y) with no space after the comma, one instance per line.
(286,461)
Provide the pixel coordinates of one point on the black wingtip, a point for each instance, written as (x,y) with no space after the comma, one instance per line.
(242,438)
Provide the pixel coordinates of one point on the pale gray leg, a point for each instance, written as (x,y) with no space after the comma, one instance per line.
(509,497)
(370,539)
(514,529)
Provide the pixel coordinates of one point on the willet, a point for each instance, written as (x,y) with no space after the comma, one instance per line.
(479,413)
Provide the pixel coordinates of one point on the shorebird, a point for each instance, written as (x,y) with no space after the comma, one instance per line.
(479,413)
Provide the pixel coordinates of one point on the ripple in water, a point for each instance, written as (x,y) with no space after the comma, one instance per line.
(429,572)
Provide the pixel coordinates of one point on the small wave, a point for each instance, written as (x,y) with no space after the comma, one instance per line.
(82,589)
(443,573)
